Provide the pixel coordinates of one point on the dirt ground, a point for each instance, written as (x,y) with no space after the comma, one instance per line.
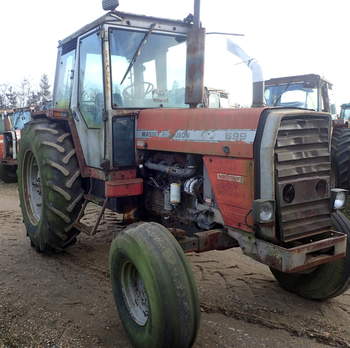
(65,300)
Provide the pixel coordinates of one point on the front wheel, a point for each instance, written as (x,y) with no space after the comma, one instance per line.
(325,281)
(153,288)
(8,173)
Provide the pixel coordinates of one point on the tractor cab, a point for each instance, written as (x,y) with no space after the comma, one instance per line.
(302,91)
(122,63)
(345,112)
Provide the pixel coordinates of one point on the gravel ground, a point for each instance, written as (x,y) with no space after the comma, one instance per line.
(65,300)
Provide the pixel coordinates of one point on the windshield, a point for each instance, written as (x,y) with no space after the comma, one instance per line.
(345,114)
(157,75)
(291,95)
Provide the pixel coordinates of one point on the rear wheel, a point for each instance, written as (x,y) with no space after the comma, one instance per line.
(50,188)
(153,288)
(8,173)
(341,157)
(325,281)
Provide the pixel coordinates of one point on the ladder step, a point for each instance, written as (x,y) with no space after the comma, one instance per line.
(84,228)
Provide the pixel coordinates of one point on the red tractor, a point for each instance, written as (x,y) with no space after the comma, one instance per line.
(126,133)
(11,123)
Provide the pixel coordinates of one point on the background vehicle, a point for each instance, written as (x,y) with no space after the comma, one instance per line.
(345,113)
(216,98)
(11,122)
(302,91)
(126,133)
(313,92)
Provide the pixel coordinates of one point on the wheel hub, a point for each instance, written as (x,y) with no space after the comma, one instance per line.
(33,188)
(134,293)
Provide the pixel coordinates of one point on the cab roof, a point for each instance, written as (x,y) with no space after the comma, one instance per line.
(311,78)
(132,20)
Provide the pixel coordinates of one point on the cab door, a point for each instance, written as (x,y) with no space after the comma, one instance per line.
(88,101)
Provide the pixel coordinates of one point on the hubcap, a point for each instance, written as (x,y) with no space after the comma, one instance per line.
(32,188)
(134,294)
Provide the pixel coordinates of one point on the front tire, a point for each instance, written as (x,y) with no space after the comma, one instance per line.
(153,288)
(326,281)
(8,173)
(341,157)
(50,189)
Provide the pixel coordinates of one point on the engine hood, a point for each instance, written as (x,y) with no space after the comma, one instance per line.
(223,132)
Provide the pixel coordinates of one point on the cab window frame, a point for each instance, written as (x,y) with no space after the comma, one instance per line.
(96,31)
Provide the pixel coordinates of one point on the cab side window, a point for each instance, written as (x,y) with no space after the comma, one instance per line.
(64,83)
(91,98)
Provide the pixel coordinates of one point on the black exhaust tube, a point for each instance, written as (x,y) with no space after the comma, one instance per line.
(179,172)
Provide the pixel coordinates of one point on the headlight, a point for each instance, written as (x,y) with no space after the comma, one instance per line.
(338,198)
(263,211)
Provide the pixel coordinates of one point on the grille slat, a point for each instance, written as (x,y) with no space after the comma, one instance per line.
(302,211)
(290,124)
(302,159)
(290,170)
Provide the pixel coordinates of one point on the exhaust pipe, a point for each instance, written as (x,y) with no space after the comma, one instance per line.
(197,14)
(257,74)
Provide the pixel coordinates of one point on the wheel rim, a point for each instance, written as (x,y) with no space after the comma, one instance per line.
(134,293)
(32,188)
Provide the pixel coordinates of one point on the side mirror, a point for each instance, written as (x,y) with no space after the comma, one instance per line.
(110,5)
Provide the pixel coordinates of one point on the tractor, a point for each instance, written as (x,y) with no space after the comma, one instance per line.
(313,92)
(11,122)
(345,113)
(302,91)
(128,133)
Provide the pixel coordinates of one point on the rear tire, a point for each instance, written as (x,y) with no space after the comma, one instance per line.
(8,173)
(325,281)
(50,189)
(153,288)
(341,157)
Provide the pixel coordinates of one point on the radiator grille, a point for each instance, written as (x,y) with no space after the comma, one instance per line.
(302,164)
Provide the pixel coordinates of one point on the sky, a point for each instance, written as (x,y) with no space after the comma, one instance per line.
(286,37)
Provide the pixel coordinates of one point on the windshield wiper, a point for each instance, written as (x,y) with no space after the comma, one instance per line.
(138,51)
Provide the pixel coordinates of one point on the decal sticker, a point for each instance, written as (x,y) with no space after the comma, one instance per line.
(229,177)
(211,136)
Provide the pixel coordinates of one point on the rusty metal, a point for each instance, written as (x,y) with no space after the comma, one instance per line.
(208,240)
(195,67)
(197,14)
(296,258)
(312,79)
(340,123)
(54,114)
(124,188)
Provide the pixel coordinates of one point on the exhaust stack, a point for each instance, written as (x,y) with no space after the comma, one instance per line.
(257,74)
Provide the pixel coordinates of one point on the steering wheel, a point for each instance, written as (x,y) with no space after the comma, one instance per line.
(149,89)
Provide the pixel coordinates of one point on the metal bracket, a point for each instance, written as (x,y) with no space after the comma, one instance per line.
(90,231)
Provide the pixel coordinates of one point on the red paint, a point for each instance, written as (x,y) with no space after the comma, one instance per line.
(124,188)
(234,197)
(172,120)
